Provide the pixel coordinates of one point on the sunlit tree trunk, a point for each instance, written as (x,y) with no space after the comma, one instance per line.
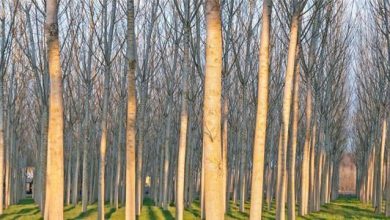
(181,155)
(287,98)
(130,210)
(261,115)
(212,113)
(387,211)
(305,189)
(294,140)
(107,38)
(312,156)
(54,200)
(69,174)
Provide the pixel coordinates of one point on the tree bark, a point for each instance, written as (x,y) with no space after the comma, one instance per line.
(293,147)
(261,115)
(212,113)
(54,199)
(281,177)
(379,168)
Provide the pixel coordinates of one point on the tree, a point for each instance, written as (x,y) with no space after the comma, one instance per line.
(212,113)
(130,211)
(287,99)
(261,115)
(55,158)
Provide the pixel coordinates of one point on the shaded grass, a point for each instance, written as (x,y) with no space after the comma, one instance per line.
(344,208)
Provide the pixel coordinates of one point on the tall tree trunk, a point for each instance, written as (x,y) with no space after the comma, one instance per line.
(130,210)
(379,168)
(107,38)
(118,158)
(212,113)
(387,211)
(312,156)
(166,155)
(261,115)
(75,191)
(225,118)
(69,174)
(54,199)
(87,118)
(181,156)
(293,147)
(2,150)
(305,189)
(43,156)
(281,177)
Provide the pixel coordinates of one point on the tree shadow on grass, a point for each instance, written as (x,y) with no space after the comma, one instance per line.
(26,211)
(194,212)
(151,213)
(167,214)
(357,212)
(69,208)
(85,214)
(109,213)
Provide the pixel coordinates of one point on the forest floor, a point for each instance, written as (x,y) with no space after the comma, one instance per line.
(343,208)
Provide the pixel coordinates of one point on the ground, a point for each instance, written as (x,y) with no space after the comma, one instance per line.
(343,208)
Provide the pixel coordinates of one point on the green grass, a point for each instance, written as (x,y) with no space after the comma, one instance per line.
(343,208)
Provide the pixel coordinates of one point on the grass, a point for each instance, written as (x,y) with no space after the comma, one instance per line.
(343,208)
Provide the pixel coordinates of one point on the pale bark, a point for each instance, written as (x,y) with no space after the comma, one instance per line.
(130,210)
(305,189)
(387,210)
(212,113)
(261,116)
(181,156)
(312,152)
(54,198)
(293,147)
(281,178)
(104,114)
(69,176)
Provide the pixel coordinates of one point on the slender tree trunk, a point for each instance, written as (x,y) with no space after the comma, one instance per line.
(225,117)
(54,199)
(75,190)
(381,153)
(293,147)
(118,159)
(243,152)
(305,189)
(181,156)
(130,209)
(261,116)
(387,211)
(281,177)
(2,150)
(43,156)
(202,188)
(69,175)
